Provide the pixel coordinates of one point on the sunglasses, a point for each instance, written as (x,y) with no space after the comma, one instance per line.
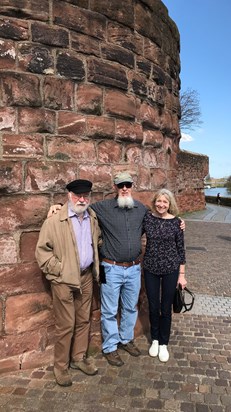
(128,185)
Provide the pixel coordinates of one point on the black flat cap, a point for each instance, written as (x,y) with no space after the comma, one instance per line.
(79,186)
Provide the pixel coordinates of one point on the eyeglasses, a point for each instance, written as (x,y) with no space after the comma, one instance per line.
(79,195)
(128,185)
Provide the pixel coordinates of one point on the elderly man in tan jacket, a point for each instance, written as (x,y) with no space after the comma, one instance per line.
(67,253)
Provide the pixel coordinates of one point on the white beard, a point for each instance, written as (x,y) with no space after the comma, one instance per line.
(125,201)
(78,208)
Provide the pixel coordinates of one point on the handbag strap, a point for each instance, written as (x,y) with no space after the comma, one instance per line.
(188,306)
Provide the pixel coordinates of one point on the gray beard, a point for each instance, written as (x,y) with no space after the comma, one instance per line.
(125,201)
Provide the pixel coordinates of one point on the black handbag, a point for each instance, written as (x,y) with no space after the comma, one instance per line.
(180,301)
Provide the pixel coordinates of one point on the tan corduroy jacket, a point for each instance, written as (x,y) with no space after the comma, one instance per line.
(57,253)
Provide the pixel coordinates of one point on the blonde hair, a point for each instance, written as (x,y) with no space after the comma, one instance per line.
(173,208)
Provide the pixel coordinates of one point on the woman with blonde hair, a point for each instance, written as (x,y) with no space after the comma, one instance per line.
(164,267)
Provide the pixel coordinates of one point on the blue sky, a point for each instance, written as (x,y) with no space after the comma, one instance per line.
(205,32)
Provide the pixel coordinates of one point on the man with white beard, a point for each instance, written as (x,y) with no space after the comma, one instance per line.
(67,252)
(120,220)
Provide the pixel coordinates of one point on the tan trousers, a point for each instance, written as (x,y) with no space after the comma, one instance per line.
(72,321)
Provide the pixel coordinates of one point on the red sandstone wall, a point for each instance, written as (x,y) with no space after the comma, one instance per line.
(191,171)
(86,89)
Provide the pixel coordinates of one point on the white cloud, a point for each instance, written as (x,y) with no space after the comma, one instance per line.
(186,137)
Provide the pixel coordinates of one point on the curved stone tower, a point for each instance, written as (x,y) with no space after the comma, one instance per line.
(87,89)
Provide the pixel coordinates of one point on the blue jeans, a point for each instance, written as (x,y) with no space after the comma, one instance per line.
(122,286)
(160,292)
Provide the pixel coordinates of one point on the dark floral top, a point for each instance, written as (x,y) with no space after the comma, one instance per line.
(165,250)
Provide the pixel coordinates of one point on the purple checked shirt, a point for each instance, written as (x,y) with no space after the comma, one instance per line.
(82,230)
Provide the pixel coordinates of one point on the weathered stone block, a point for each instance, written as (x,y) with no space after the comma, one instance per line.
(54,36)
(109,152)
(125,37)
(133,155)
(153,53)
(7,119)
(138,84)
(118,54)
(144,66)
(158,178)
(101,176)
(129,131)
(58,93)
(22,145)
(30,10)
(48,176)
(7,54)
(10,364)
(1,318)
(12,345)
(14,29)
(150,157)
(101,127)
(35,359)
(20,89)
(10,176)
(71,123)
(8,249)
(36,120)
(118,104)
(22,278)
(28,241)
(153,137)
(26,212)
(149,116)
(71,148)
(33,312)
(123,14)
(83,21)
(85,44)
(70,66)
(148,24)
(89,99)
(144,183)
(35,59)
(107,74)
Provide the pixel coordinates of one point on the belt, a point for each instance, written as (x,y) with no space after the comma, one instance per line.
(84,271)
(126,264)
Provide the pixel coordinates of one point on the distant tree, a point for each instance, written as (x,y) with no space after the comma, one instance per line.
(190,110)
(228,184)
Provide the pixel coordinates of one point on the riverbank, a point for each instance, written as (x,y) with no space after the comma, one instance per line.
(225,201)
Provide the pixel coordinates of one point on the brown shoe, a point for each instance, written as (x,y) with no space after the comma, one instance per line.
(130,348)
(62,377)
(85,365)
(113,358)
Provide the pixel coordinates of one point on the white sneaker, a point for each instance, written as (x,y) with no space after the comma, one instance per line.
(163,353)
(154,348)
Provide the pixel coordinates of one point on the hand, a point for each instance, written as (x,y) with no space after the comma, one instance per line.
(182,224)
(182,280)
(53,209)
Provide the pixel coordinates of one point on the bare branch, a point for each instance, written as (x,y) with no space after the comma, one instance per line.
(190,110)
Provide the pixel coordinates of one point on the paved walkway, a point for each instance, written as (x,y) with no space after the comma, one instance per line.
(197,377)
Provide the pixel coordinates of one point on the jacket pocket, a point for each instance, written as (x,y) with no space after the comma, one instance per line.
(54,266)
